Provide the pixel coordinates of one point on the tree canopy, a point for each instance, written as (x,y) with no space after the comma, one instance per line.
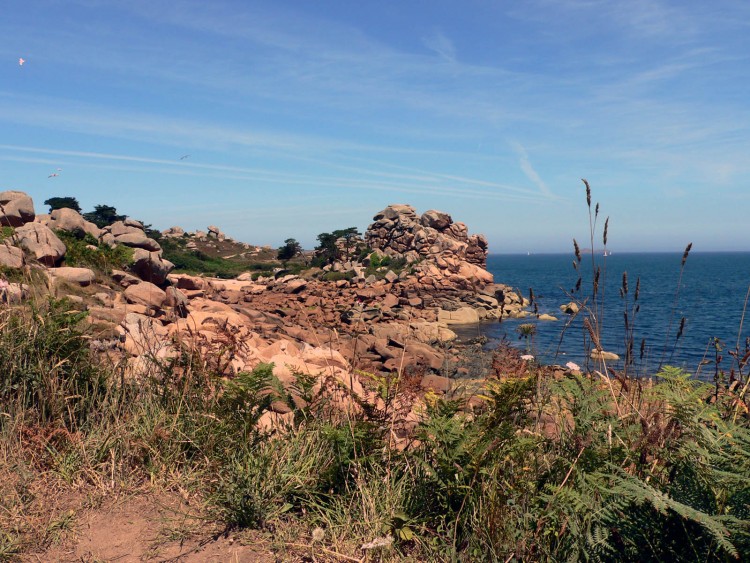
(336,245)
(103,215)
(63,202)
(290,249)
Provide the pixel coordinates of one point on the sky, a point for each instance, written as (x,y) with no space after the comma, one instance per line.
(286,119)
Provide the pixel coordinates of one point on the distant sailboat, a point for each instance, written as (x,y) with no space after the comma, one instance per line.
(607,253)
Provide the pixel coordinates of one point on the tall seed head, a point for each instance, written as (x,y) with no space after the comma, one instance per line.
(687,251)
(596,279)
(681,329)
(606,228)
(596,210)
(588,192)
(637,288)
(592,334)
(625,283)
(577,250)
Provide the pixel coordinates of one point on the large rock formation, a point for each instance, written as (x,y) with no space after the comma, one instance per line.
(399,231)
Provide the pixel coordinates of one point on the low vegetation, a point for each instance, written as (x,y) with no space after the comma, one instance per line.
(222,260)
(541,467)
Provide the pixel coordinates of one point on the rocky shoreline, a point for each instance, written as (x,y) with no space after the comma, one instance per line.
(389,310)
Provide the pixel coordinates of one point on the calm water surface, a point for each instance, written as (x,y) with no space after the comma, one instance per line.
(711,298)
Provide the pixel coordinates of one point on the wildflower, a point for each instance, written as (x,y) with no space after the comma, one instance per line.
(527,357)
(572,366)
(318,534)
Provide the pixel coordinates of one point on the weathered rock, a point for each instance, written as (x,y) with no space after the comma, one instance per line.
(81,276)
(16,208)
(138,240)
(40,241)
(569,308)
(463,315)
(122,228)
(184,281)
(11,256)
(436,383)
(128,222)
(150,266)
(398,231)
(145,293)
(436,220)
(66,219)
(546,317)
(124,279)
(173,232)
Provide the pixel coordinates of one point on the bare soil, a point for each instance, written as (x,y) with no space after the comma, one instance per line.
(149,528)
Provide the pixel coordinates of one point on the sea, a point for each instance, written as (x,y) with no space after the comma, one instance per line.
(709,292)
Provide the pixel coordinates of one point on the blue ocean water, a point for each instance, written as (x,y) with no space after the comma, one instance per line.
(711,298)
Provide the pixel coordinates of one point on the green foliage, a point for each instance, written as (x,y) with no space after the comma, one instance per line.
(290,249)
(337,276)
(541,468)
(103,215)
(341,244)
(87,252)
(63,202)
(45,364)
(6,232)
(194,261)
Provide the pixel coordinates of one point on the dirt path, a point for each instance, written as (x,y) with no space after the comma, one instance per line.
(147,528)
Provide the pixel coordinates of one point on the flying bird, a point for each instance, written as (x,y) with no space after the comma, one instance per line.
(53,175)
(184,156)
(21,61)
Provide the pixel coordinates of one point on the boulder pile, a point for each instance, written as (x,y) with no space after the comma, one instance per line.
(370,320)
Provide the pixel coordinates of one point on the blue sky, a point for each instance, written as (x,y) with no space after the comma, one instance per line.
(302,117)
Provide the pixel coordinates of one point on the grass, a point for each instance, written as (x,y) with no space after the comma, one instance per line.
(541,468)
(213,261)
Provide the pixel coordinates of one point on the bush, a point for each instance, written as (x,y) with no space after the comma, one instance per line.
(87,252)
(45,364)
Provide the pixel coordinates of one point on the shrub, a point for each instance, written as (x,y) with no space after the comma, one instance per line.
(87,252)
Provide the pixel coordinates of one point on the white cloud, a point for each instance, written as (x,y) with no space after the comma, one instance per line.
(530,173)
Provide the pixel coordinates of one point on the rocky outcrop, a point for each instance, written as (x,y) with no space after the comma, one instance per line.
(69,220)
(173,232)
(399,231)
(151,266)
(129,233)
(16,208)
(41,242)
(80,276)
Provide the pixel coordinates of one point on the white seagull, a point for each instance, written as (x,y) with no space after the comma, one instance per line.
(21,61)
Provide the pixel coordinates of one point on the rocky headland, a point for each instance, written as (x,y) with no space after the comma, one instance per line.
(383,310)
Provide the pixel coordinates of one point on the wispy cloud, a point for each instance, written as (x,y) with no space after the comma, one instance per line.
(440,44)
(525,163)
(389,182)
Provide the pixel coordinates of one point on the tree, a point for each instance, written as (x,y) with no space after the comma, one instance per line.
(290,249)
(326,252)
(63,202)
(336,245)
(103,215)
(349,237)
